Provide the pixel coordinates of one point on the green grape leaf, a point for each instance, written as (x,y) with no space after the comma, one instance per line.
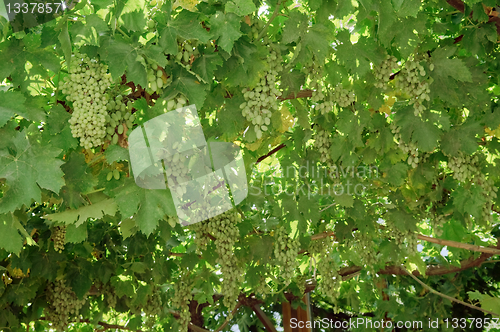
(27,169)
(80,215)
(147,206)
(10,239)
(240,7)
(295,26)
(469,201)
(136,72)
(57,119)
(65,41)
(454,68)
(487,302)
(406,8)
(461,138)
(387,18)
(79,180)
(116,153)
(134,21)
(76,234)
(117,48)
(226,27)
(206,64)
(187,84)
(14,103)
(318,40)
(168,40)
(187,24)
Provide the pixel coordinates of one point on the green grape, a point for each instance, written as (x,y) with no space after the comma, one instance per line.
(286,251)
(109,176)
(384,71)
(63,305)
(120,130)
(182,298)
(59,237)
(323,144)
(262,101)
(411,80)
(116,174)
(85,86)
(115,139)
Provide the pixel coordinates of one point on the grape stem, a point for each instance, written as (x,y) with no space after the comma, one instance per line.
(432,290)
(275,13)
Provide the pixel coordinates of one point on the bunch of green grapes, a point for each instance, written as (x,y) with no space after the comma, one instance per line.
(86,87)
(436,222)
(187,52)
(366,248)
(330,281)
(263,288)
(113,174)
(110,295)
(286,251)
(413,82)
(156,78)
(400,237)
(323,104)
(59,238)
(261,102)
(257,27)
(323,143)
(118,119)
(384,71)
(176,102)
(414,156)
(300,280)
(343,97)
(182,298)
(464,167)
(489,192)
(153,306)
(176,168)
(63,304)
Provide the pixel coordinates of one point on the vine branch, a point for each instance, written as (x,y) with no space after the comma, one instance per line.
(452,299)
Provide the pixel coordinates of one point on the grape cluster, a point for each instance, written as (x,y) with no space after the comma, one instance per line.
(412,81)
(176,168)
(323,144)
(188,51)
(59,238)
(63,304)
(365,248)
(261,101)
(257,27)
(156,78)
(489,193)
(464,167)
(224,228)
(300,280)
(384,71)
(118,119)
(85,86)
(415,157)
(110,295)
(323,104)
(286,250)
(343,97)
(330,281)
(176,102)
(181,300)
(436,222)
(400,237)
(153,307)
(263,288)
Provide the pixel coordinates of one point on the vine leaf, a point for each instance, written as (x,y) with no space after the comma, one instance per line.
(206,65)
(185,83)
(147,206)
(14,103)
(80,215)
(26,168)
(226,28)
(240,7)
(454,68)
(487,302)
(10,239)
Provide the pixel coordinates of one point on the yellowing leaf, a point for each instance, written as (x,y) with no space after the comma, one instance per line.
(186,4)
(286,119)
(253,146)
